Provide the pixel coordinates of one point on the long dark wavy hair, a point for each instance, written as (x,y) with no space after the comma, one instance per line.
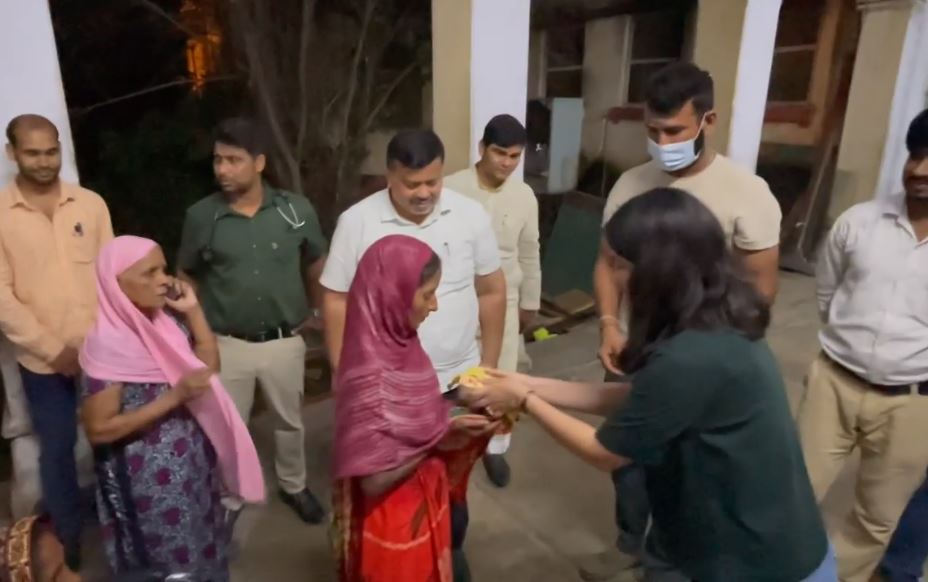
(683,275)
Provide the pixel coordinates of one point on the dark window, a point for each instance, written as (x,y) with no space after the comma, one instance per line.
(564,62)
(794,50)
(657,40)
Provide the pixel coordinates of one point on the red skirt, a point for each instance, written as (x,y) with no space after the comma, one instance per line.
(460,463)
(402,536)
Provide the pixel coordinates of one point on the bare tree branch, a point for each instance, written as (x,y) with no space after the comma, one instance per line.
(303,63)
(356,66)
(164,14)
(387,93)
(146,91)
(264,94)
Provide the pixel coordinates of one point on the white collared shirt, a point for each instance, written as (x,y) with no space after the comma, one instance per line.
(873,294)
(460,232)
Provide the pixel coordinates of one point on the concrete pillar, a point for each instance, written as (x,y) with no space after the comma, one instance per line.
(480,69)
(887,88)
(734,42)
(31,76)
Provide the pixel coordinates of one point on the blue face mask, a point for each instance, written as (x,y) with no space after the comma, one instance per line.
(674,157)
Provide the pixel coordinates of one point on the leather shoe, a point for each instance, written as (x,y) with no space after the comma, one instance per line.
(305,505)
(497,469)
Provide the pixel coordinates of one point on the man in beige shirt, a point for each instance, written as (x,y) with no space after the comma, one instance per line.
(514,211)
(50,234)
(679,116)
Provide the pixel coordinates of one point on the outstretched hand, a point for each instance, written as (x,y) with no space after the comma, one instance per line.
(499,394)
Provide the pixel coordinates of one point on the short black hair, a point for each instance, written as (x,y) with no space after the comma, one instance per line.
(415,149)
(504,131)
(916,140)
(672,87)
(242,132)
(28,121)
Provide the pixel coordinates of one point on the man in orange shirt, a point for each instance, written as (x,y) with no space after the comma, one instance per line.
(50,234)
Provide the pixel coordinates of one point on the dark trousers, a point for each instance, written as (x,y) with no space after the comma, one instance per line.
(460,518)
(905,558)
(632,508)
(53,408)
(632,518)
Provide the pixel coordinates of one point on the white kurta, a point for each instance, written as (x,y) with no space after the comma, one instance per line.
(513,209)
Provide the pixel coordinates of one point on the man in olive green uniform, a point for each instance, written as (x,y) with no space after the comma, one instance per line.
(255,253)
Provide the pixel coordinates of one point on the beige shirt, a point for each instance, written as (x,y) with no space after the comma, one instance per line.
(741,200)
(746,208)
(513,209)
(48,294)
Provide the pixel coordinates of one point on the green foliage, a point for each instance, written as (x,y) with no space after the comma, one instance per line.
(150,175)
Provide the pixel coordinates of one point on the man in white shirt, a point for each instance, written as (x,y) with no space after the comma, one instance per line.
(868,389)
(679,115)
(472,292)
(514,210)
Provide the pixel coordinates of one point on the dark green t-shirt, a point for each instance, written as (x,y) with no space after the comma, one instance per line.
(708,419)
(249,271)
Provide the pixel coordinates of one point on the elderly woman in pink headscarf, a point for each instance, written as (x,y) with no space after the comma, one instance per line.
(394,439)
(167,439)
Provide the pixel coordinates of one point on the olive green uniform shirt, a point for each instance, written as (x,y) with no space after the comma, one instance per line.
(249,271)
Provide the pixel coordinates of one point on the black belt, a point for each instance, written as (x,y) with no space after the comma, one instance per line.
(895,390)
(269,335)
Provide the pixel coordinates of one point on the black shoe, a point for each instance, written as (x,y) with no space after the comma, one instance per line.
(72,556)
(497,469)
(459,566)
(305,505)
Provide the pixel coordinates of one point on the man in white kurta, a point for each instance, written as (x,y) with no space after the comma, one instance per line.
(514,212)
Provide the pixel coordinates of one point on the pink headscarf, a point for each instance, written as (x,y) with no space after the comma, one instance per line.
(126,346)
(388,405)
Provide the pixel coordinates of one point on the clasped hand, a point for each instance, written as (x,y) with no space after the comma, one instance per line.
(500,394)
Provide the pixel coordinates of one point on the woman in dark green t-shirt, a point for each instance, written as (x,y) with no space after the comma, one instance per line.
(705,412)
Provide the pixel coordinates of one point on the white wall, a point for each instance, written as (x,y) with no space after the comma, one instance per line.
(30,76)
(499,63)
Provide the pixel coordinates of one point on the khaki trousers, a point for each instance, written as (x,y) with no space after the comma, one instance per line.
(840,412)
(278,368)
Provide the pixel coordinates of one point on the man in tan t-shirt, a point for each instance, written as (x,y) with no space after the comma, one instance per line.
(513,209)
(678,115)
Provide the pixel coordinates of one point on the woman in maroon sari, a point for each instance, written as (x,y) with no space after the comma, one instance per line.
(392,427)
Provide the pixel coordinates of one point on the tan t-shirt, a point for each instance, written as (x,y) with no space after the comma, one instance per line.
(742,201)
(746,208)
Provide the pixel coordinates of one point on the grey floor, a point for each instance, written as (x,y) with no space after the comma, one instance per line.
(556,509)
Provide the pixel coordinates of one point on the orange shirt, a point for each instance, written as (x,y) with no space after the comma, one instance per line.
(48,297)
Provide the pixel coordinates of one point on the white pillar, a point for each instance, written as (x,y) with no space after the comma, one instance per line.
(480,64)
(755,58)
(31,76)
(909,99)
